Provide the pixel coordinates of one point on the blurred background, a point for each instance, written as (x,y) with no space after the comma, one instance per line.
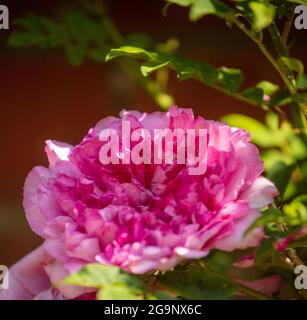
(43,97)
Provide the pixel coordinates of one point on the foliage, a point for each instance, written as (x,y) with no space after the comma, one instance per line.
(88,32)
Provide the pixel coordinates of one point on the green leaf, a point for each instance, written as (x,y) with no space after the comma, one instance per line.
(99,54)
(38,31)
(221,262)
(266,249)
(83,29)
(197,283)
(261,135)
(132,52)
(98,276)
(116,292)
(149,67)
(296,211)
(268,87)
(230,78)
(302,81)
(284,8)
(184,3)
(254,94)
(293,64)
(280,98)
(264,14)
(202,8)
(280,173)
(209,73)
(272,121)
(268,216)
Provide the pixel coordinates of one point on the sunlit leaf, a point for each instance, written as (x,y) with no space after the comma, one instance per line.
(302,81)
(264,14)
(116,292)
(261,135)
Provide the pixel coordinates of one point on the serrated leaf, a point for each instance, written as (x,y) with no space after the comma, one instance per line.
(39,31)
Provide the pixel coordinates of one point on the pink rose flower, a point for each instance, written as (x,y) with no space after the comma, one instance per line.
(145,217)
(28,279)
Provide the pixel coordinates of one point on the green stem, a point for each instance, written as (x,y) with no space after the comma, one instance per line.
(281,49)
(131,68)
(283,71)
(263,49)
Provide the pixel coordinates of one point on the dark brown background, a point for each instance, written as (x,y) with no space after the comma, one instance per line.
(43,97)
